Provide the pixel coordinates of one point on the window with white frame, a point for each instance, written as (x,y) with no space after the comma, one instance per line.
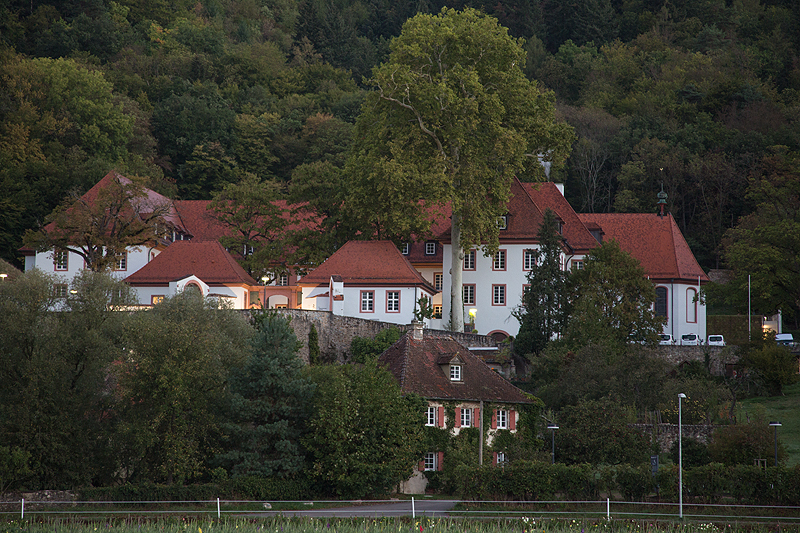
(392,301)
(691,305)
(455,372)
(283,280)
(430,248)
(469,294)
(405,248)
(577,264)
(248,250)
(529,260)
(469,260)
(430,461)
(367,301)
(61,260)
(466,418)
(437,281)
(498,295)
(121,261)
(502,419)
(501,458)
(430,416)
(502,222)
(499,260)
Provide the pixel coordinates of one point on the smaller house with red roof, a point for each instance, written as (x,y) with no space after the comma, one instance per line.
(658,244)
(366,279)
(204,266)
(461,391)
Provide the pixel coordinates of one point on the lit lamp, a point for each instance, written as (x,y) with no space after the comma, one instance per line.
(776,425)
(3,276)
(680,459)
(472,313)
(553,428)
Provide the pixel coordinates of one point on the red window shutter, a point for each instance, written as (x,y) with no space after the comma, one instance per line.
(494,420)
(512,419)
(441,417)
(494,461)
(476,417)
(439,461)
(458,417)
(421,466)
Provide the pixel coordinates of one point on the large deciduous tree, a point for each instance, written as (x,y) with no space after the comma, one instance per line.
(100,227)
(452,119)
(765,245)
(612,300)
(171,386)
(365,436)
(545,303)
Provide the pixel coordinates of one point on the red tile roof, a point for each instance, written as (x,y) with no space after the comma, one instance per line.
(415,364)
(526,209)
(207,260)
(655,241)
(547,196)
(367,263)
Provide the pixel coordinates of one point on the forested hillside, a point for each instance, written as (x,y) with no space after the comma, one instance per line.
(695,96)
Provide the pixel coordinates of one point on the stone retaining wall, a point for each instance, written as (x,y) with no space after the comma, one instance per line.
(667,434)
(336,332)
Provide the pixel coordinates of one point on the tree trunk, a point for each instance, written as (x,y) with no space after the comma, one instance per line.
(456,293)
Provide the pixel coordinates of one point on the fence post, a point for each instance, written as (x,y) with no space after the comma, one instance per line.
(608,509)
(413,509)
(22,515)
(218,514)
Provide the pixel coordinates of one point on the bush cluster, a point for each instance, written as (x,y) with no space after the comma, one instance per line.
(528,480)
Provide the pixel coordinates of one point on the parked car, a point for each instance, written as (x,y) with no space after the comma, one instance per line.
(716,340)
(665,339)
(691,339)
(784,339)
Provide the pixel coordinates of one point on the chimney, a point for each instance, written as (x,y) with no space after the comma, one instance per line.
(416,329)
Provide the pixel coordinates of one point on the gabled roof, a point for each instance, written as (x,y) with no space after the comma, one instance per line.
(415,364)
(526,208)
(367,263)
(207,260)
(547,196)
(655,241)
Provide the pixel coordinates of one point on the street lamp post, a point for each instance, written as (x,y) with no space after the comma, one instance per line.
(681,396)
(776,425)
(553,428)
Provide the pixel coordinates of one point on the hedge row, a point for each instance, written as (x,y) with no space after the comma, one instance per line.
(244,488)
(706,484)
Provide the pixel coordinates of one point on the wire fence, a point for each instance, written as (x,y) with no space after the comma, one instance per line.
(415,507)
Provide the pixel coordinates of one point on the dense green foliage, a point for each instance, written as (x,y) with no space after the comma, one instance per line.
(365,436)
(270,399)
(194,95)
(364,349)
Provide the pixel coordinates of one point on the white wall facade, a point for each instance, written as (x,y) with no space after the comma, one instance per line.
(135,259)
(490,316)
(236,297)
(382,309)
(685,312)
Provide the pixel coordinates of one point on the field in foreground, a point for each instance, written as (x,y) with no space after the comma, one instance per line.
(393,525)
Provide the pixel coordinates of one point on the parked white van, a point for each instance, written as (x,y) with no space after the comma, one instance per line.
(690,339)
(716,340)
(665,339)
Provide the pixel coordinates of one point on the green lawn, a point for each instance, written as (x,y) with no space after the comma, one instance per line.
(786,410)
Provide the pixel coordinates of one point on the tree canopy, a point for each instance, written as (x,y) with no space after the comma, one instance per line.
(451,121)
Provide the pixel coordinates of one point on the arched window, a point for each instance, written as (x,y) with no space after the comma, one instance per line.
(691,305)
(661,301)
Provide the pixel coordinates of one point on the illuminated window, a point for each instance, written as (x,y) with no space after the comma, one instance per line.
(157,299)
(437,281)
(437,311)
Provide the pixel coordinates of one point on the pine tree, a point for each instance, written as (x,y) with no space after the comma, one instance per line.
(544,310)
(269,401)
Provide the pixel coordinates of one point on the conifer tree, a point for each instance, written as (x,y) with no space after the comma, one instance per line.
(544,308)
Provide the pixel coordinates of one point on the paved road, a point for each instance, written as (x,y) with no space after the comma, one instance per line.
(422,507)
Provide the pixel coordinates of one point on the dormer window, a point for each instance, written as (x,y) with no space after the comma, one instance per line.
(430,248)
(455,372)
(502,222)
(405,248)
